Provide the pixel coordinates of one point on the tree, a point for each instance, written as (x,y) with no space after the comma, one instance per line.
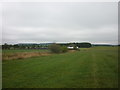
(5,46)
(84,45)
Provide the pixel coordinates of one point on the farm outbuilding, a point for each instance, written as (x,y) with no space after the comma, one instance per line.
(71,47)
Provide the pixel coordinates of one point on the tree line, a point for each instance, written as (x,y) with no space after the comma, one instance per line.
(44,46)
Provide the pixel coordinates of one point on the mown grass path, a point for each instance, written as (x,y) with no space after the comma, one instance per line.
(94,70)
(88,68)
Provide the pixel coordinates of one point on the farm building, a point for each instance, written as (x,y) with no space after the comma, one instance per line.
(71,47)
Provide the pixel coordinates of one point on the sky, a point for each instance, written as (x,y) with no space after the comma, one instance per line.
(36,22)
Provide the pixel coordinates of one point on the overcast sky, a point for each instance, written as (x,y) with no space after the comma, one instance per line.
(33,22)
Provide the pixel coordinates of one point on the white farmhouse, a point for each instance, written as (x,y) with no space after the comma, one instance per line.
(71,47)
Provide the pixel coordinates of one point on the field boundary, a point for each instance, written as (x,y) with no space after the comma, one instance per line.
(23,55)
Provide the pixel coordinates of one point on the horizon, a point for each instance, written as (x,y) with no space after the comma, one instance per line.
(59,42)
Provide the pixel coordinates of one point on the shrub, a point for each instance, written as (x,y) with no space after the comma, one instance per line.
(55,48)
(64,49)
(76,48)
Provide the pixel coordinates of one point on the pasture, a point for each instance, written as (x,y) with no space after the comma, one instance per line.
(95,67)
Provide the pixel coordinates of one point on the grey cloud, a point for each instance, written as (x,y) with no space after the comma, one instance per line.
(60,22)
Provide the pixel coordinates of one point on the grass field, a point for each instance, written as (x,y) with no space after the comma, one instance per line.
(95,67)
(22,50)
(22,53)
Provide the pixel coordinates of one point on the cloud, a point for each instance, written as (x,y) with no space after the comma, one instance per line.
(60,22)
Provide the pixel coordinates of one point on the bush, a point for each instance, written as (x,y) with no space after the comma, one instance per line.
(76,48)
(64,49)
(57,48)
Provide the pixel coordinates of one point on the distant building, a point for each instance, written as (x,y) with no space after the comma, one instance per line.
(71,47)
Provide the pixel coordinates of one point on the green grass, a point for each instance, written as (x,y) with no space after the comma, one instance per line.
(95,67)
